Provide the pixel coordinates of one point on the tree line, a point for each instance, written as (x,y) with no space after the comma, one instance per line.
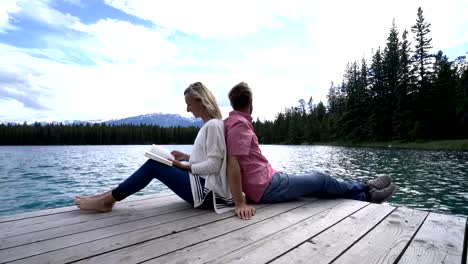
(405,93)
(94,134)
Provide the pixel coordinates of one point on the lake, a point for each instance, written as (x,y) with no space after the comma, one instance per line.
(41,177)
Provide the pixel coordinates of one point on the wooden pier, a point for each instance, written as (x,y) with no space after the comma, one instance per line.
(163,229)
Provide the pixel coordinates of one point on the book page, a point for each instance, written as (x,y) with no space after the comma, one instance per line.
(158,158)
(160,151)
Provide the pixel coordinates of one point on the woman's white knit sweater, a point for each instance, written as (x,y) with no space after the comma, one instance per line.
(208,160)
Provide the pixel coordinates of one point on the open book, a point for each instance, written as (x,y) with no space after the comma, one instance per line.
(159,154)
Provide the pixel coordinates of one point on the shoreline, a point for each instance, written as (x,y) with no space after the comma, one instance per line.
(457,144)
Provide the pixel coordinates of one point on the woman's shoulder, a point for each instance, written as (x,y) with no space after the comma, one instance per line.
(214,123)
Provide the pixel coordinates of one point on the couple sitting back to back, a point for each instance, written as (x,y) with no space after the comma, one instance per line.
(227,169)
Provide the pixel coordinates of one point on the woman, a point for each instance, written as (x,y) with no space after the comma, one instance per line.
(202,179)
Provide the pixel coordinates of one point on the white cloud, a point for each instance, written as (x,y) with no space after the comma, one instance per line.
(210,17)
(141,69)
(339,32)
(76,92)
(123,42)
(6,8)
(40,11)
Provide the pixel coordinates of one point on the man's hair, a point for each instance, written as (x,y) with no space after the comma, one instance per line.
(240,96)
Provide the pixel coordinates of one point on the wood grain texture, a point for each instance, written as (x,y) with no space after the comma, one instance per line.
(218,247)
(16,217)
(440,240)
(330,244)
(163,229)
(287,239)
(386,241)
(135,217)
(88,238)
(185,238)
(34,221)
(84,218)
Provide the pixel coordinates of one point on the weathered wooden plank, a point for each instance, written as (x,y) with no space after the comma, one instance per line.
(440,240)
(101,241)
(325,246)
(15,217)
(321,215)
(151,206)
(190,236)
(123,207)
(163,233)
(56,244)
(89,225)
(286,239)
(387,240)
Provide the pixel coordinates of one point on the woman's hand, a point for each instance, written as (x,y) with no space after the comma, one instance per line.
(181,165)
(245,211)
(180,156)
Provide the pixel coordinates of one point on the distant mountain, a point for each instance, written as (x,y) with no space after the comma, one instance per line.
(164,120)
(159,119)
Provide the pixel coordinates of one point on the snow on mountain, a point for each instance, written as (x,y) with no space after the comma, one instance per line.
(160,119)
(164,120)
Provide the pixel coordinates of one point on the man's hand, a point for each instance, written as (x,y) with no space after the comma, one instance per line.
(245,211)
(180,156)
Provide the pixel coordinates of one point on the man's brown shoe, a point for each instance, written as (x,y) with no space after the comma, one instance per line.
(380,196)
(380,182)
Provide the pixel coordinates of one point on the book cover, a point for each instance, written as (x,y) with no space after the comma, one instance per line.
(159,154)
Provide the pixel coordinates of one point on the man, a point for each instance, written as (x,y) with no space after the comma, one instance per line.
(249,172)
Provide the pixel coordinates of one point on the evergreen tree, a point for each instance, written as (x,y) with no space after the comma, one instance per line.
(422,57)
(391,75)
(442,99)
(377,90)
(423,74)
(402,121)
(462,103)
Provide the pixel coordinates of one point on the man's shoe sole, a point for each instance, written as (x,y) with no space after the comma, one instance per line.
(390,195)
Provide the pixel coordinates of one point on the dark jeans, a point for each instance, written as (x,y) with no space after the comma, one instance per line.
(284,187)
(174,178)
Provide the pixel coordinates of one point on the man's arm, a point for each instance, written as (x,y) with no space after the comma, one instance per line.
(243,210)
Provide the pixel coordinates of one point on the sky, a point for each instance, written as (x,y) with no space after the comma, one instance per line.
(106,59)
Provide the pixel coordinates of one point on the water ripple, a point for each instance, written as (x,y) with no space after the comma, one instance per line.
(40,177)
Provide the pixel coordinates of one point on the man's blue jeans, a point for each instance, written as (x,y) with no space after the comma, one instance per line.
(284,187)
(176,179)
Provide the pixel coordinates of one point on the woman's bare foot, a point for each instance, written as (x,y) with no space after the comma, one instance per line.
(102,204)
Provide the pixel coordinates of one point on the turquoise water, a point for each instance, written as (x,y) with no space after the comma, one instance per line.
(41,177)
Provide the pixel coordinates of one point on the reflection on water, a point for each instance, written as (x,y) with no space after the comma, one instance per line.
(429,180)
(39,177)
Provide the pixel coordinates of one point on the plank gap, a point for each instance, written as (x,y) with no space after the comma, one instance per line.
(411,240)
(234,230)
(99,219)
(66,209)
(465,245)
(92,229)
(365,234)
(308,239)
(129,231)
(82,218)
(288,227)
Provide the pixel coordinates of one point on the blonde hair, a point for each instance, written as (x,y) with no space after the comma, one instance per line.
(200,92)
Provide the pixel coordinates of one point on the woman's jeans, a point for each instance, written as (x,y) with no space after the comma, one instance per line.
(174,178)
(284,187)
